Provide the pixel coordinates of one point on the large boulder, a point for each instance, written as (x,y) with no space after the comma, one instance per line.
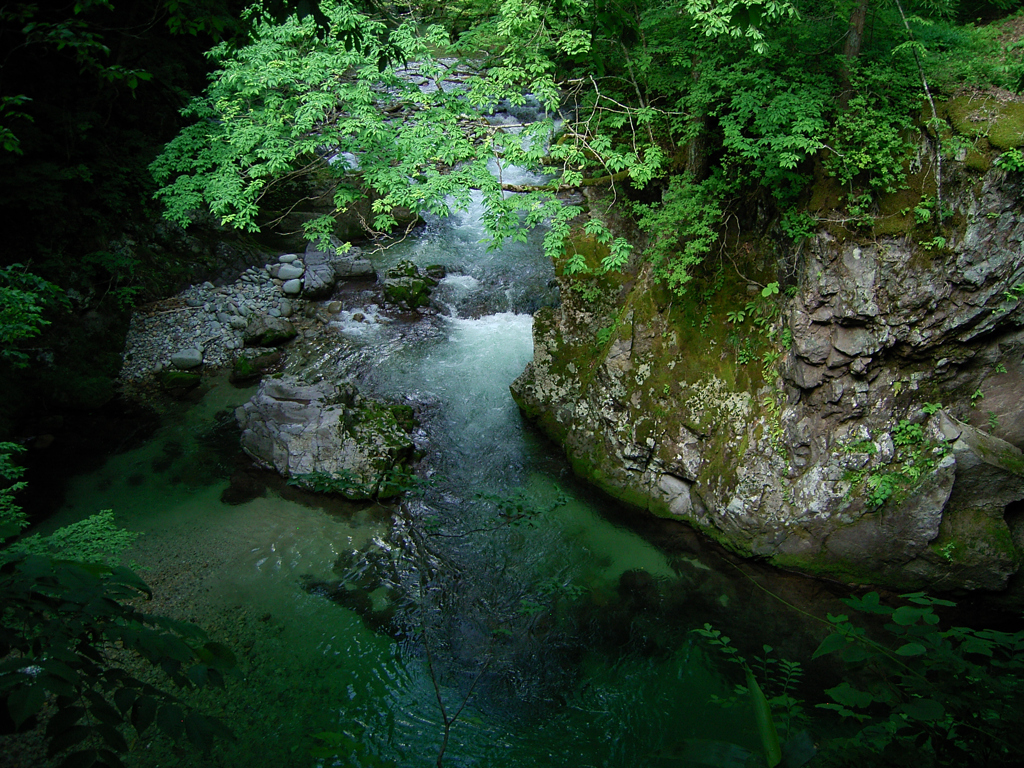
(871,433)
(342,263)
(326,437)
(268,331)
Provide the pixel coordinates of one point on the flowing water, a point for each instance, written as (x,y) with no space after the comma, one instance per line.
(541,624)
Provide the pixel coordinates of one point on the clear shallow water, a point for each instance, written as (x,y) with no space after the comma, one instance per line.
(562,623)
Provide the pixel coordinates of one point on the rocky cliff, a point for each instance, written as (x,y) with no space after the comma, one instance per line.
(859,412)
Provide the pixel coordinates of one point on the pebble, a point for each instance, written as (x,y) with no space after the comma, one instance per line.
(205,317)
(287,258)
(292,287)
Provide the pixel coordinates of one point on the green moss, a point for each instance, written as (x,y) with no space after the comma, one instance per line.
(179,380)
(1002,124)
(405,417)
(814,564)
(969,535)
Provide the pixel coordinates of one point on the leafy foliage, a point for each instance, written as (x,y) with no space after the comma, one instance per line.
(949,697)
(782,711)
(64,625)
(66,629)
(23,299)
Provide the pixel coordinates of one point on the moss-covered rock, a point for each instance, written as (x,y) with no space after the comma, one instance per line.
(327,438)
(802,437)
(409,286)
(268,331)
(171,380)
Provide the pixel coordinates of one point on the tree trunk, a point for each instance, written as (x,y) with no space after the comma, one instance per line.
(851,49)
(855,35)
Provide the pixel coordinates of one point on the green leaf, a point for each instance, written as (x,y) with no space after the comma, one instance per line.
(82,759)
(124,698)
(24,702)
(911,649)
(849,696)
(834,642)
(906,616)
(765,725)
(924,709)
(67,739)
(143,713)
(65,718)
(200,731)
(171,720)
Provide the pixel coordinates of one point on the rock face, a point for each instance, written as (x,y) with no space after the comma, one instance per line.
(819,444)
(326,437)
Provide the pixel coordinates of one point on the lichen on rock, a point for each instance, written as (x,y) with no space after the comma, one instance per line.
(828,452)
(325,434)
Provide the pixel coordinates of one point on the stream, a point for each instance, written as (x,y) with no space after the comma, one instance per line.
(502,603)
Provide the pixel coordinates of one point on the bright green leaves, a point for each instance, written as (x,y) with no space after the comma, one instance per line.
(682,229)
(282,106)
(23,299)
(771,123)
(765,724)
(739,18)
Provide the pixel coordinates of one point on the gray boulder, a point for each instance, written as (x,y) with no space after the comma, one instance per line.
(186,359)
(325,266)
(326,437)
(268,331)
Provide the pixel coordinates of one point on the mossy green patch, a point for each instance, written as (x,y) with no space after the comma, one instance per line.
(1001,123)
(179,380)
(969,536)
(816,564)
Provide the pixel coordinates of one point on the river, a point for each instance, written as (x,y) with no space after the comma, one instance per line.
(502,605)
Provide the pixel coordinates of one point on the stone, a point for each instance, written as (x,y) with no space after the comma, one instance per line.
(334,307)
(409,286)
(853,341)
(292,287)
(346,264)
(186,359)
(324,433)
(288,272)
(286,308)
(879,327)
(287,258)
(267,331)
(319,279)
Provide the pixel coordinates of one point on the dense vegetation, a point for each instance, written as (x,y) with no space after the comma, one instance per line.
(693,115)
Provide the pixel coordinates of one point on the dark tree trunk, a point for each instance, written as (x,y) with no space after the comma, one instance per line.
(855,36)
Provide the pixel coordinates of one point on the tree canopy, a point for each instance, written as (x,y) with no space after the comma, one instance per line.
(685,106)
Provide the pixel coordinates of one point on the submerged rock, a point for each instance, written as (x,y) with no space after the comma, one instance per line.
(326,437)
